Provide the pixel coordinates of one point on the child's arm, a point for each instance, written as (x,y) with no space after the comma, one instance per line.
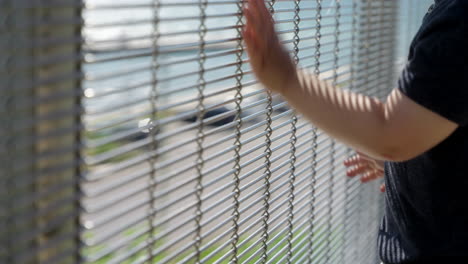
(396,130)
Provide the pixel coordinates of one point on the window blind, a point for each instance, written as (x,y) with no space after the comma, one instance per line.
(135,132)
(191,161)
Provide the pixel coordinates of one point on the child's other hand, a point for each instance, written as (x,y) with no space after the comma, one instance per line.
(369,168)
(270,61)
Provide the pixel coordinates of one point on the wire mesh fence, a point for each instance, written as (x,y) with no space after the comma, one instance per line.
(135,132)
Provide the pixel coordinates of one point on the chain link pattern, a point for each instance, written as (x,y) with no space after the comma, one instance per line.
(353,46)
(349,151)
(367,44)
(237,142)
(200,134)
(293,139)
(331,181)
(394,52)
(383,76)
(313,179)
(153,129)
(267,173)
(362,60)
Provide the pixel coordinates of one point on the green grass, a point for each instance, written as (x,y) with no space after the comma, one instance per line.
(319,234)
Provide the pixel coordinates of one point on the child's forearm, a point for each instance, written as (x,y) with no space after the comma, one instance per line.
(397,130)
(356,120)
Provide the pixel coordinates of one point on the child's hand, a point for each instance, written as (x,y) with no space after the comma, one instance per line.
(270,61)
(369,168)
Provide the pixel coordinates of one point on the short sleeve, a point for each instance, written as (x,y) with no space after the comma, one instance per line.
(436,73)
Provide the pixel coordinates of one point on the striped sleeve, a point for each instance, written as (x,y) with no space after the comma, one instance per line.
(390,249)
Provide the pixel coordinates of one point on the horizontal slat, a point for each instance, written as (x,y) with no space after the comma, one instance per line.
(183,210)
(185,182)
(58,96)
(307,244)
(144,202)
(372,75)
(247,240)
(131,162)
(273,229)
(186,32)
(161,19)
(244,198)
(257,221)
(162,51)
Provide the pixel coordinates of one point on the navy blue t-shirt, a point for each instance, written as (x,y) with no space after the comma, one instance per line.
(426,197)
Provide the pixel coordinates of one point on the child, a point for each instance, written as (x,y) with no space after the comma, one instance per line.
(420,131)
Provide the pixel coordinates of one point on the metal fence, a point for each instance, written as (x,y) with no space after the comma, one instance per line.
(135,132)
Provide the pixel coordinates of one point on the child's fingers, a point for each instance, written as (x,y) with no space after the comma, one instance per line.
(257,8)
(382,187)
(371,176)
(268,23)
(249,16)
(359,169)
(256,16)
(252,20)
(248,39)
(263,10)
(354,160)
(263,20)
(254,23)
(252,48)
(249,27)
(257,37)
(364,156)
(350,161)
